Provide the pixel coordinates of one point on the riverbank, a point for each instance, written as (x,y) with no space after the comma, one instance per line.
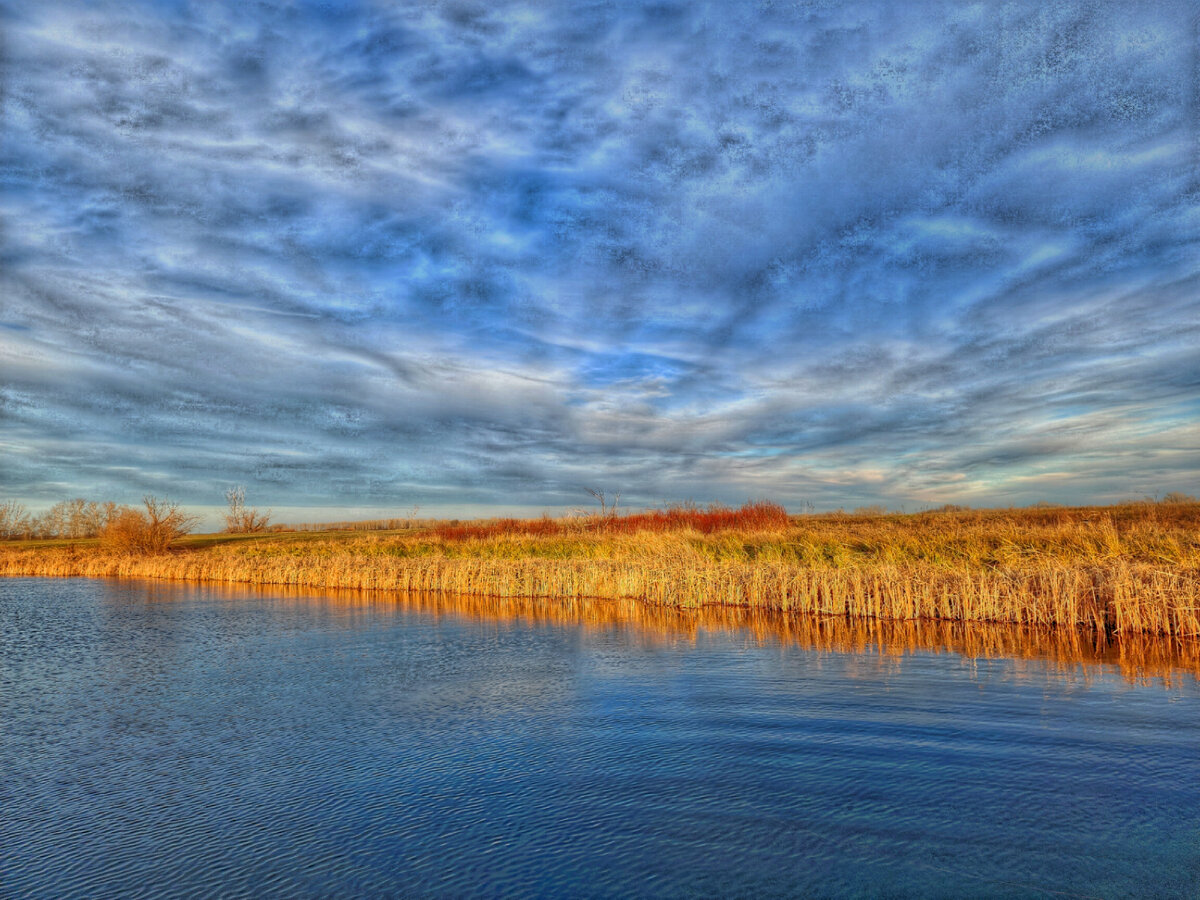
(1126,569)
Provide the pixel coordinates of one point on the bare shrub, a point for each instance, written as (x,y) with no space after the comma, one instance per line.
(240,519)
(150,530)
(1178,497)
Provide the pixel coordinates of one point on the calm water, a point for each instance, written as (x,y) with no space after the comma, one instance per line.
(160,740)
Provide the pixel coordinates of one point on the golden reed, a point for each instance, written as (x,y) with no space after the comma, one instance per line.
(1130,569)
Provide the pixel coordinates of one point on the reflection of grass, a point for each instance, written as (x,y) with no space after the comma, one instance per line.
(1133,568)
(1138,656)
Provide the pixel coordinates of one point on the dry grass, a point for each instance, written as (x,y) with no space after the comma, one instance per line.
(1125,569)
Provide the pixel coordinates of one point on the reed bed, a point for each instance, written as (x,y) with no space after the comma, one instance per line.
(1128,569)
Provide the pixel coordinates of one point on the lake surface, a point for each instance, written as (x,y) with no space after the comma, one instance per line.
(167,740)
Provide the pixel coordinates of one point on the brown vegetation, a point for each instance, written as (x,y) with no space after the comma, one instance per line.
(1130,568)
(757,516)
(146,531)
(1139,657)
(242,519)
(71,519)
(392,524)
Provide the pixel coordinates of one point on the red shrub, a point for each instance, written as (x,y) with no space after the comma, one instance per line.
(759,515)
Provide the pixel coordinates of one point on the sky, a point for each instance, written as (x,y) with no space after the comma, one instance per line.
(477,257)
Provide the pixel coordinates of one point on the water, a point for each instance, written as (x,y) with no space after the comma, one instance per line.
(182,740)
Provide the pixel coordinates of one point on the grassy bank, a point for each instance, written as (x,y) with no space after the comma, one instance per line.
(1133,568)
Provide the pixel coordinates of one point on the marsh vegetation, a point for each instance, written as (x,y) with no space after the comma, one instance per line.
(1128,568)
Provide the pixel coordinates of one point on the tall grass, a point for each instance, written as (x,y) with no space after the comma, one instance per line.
(1126,569)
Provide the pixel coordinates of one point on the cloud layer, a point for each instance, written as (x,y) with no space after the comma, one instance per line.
(469,255)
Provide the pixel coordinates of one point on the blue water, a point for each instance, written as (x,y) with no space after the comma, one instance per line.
(164,740)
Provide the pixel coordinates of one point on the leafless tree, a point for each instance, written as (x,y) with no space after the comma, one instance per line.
(240,519)
(606,509)
(14,520)
(76,518)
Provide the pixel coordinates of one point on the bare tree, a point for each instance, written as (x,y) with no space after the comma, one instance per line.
(240,519)
(79,518)
(53,522)
(606,509)
(14,520)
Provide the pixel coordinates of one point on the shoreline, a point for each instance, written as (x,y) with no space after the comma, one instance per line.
(1133,568)
(1116,598)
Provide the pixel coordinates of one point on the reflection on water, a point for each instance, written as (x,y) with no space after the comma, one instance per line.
(178,740)
(1140,658)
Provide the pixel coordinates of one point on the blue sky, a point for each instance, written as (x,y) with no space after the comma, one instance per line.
(477,256)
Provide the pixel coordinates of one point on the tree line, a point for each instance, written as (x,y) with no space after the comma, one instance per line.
(69,519)
(153,525)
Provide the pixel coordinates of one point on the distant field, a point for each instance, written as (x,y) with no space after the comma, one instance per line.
(1129,568)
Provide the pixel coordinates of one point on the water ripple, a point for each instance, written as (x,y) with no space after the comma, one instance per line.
(195,742)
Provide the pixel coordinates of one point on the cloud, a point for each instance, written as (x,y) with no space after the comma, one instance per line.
(481,254)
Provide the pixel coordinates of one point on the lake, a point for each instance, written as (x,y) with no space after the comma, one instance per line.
(183,740)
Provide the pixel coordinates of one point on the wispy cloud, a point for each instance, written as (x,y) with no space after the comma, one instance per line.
(467,254)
